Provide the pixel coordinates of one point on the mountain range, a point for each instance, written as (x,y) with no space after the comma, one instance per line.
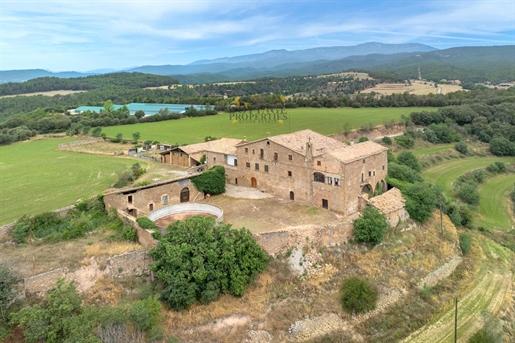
(472,63)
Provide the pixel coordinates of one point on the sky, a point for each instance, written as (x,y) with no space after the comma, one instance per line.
(96,34)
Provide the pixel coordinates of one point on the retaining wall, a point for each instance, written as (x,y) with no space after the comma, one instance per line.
(187,207)
(144,236)
(275,242)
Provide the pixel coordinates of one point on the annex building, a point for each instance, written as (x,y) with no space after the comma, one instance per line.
(307,167)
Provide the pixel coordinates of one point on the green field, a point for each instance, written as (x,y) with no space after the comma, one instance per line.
(445,173)
(35,177)
(493,208)
(432,149)
(325,121)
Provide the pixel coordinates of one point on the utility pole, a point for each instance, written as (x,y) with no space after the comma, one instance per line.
(456,321)
(441,216)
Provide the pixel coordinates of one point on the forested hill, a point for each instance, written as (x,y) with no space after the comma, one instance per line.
(45,84)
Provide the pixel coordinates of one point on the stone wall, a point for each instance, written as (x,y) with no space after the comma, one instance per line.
(144,236)
(132,263)
(279,241)
(441,273)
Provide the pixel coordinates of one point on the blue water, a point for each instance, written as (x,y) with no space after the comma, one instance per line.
(149,109)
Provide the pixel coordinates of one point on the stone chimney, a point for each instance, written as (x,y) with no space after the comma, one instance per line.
(309,151)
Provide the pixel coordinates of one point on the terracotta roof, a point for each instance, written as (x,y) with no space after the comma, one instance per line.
(357,151)
(296,141)
(222,145)
(389,201)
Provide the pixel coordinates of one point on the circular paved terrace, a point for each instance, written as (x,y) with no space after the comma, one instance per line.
(165,215)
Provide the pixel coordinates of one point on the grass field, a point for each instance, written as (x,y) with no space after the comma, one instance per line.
(493,204)
(416,87)
(445,173)
(325,121)
(35,177)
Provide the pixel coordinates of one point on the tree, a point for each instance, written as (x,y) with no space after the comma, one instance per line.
(421,200)
(358,295)
(135,137)
(96,131)
(501,146)
(408,159)
(372,227)
(139,114)
(198,259)
(469,194)
(461,147)
(108,106)
(211,181)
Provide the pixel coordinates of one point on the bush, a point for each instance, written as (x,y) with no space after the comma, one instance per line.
(387,140)
(146,223)
(7,294)
(501,146)
(469,194)
(405,141)
(362,139)
(144,314)
(372,227)
(211,181)
(403,173)
(461,147)
(198,259)
(465,243)
(358,295)
(408,159)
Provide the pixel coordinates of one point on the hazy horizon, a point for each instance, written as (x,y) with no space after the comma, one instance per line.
(85,36)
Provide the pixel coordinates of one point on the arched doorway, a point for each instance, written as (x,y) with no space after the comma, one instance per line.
(367,189)
(185,194)
(253,182)
(384,185)
(292,196)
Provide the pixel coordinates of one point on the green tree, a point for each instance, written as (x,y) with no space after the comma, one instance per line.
(408,159)
(469,194)
(139,114)
(198,259)
(108,106)
(211,181)
(461,147)
(372,227)
(96,131)
(358,295)
(135,137)
(501,146)
(421,200)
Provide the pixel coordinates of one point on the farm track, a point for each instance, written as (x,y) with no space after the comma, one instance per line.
(493,284)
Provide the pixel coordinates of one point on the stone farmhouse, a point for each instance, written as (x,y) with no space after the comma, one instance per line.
(308,168)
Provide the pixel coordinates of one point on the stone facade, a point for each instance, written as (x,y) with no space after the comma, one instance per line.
(309,168)
(140,201)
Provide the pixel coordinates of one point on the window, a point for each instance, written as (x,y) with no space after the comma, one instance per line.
(164,199)
(150,207)
(246,150)
(266,169)
(256,166)
(261,153)
(289,173)
(363,161)
(253,152)
(235,162)
(268,143)
(276,156)
(129,199)
(290,157)
(247,164)
(325,203)
(383,166)
(214,158)
(329,180)
(336,181)
(369,173)
(319,163)
(319,177)
(374,173)
(236,181)
(292,196)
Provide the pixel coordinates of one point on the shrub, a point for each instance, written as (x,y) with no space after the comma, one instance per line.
(362,139)
(408,159)
(479,176)
(501,146)
(358,295)
(7,294)
(144,314)
(469,194)
(405,141)
(211,181)
(403,173)
(465,243)
(461,147)
(493,168)
(146,223)
(501,166)
(372,227)
(198,259)
(387,140)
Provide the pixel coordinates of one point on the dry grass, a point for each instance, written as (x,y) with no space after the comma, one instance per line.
(416,87)
(49,93)
(114,248)
(361,76)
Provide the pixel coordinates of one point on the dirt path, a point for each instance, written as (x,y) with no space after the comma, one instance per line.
(493,285)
